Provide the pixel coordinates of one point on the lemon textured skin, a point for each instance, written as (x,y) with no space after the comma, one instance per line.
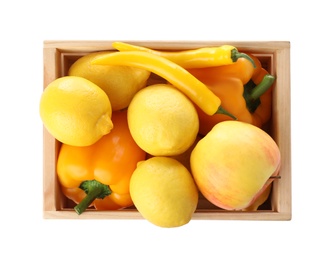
(119,82)
(164,192)
(75,111)
(162,120)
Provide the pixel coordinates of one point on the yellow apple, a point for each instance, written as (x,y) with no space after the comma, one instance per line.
(233,163)
(259,200)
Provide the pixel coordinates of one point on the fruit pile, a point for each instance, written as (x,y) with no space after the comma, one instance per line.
(125,142)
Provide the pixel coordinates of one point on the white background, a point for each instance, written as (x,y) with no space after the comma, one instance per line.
(26,24)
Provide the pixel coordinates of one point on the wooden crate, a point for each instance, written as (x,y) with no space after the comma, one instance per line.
(275,57)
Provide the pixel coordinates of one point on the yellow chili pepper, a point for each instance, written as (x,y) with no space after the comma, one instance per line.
(195,58)
(196,91)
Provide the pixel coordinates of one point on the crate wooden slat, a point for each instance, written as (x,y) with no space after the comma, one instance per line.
(275,56)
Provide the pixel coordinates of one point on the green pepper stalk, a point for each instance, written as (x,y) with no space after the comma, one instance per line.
(94,190)
(252,92)
(235,55)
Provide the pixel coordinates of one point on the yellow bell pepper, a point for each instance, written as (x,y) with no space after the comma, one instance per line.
(245,91)
(99,175)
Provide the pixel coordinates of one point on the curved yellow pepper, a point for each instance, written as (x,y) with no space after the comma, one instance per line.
(180,78)
(195,58)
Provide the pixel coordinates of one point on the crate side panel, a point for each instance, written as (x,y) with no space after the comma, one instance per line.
(282,131)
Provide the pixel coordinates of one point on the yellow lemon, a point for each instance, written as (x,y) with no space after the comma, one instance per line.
(162,120)
(164,192)
(119,82)
(75,111)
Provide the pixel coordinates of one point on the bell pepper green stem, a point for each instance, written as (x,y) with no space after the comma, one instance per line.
(94,190)
(253,92)
(225,112)
(264,85)
(235,55)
